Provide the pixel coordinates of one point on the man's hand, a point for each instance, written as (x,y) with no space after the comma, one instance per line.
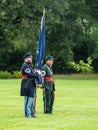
(38,71)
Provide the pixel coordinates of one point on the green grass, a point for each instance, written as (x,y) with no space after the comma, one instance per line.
(75,108)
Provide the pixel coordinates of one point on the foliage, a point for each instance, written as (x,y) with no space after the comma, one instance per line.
(82,66)
(17,74)
(8,75)
(5,75)
(70,31)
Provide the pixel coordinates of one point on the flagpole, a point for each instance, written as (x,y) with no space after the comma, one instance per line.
(38,67)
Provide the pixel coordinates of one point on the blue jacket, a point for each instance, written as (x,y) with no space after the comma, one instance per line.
(28,85)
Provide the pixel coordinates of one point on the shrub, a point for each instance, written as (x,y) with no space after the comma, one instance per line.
(5,75)
(17,74)
(82,67)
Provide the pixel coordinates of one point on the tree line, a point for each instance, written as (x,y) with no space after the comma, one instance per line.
(71,32)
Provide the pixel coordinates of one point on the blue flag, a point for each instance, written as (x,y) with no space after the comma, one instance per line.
(41,45)
(40,50)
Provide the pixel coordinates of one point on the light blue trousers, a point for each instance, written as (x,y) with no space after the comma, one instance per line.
(29,106)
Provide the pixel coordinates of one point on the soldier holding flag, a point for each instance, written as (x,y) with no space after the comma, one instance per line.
(28,85)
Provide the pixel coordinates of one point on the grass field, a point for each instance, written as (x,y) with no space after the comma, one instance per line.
(75,108)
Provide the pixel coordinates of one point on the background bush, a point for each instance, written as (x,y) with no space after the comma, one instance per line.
(5,75)
(17,74)
(8,75)
(82,67)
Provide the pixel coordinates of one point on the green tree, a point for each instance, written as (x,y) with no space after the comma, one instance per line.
(71,28)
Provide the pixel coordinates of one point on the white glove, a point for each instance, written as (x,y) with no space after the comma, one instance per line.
(39,72)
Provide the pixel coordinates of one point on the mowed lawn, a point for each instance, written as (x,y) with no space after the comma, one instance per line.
(75,108)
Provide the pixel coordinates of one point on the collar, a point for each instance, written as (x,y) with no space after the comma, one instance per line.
(49,65)
(27,63)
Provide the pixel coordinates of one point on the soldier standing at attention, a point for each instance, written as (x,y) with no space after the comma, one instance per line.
(48,85)
(28,86)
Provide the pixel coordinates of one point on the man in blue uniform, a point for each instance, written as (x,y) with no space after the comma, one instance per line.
(28,86)
(48,85)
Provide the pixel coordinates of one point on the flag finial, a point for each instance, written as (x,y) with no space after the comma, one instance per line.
(44,11)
